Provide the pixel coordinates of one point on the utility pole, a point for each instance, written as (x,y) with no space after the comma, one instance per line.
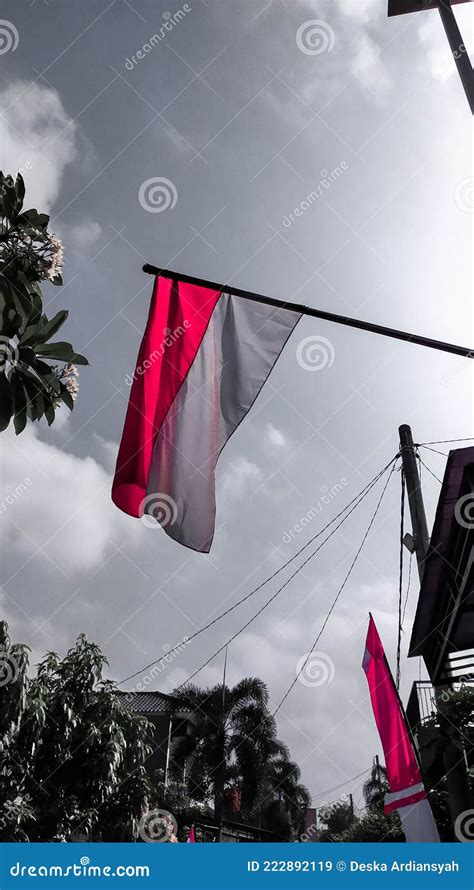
(456,775)
(415,498)
(221,771)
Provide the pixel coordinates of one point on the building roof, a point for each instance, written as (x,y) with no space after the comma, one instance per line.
(400,7)
(149,702)
(445,604)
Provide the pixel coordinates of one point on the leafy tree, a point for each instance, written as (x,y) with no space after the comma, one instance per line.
(337,819)
(375,788)
(234,747)
(72,753)
(30,388)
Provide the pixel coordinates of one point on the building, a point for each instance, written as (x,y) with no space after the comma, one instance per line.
(170,725)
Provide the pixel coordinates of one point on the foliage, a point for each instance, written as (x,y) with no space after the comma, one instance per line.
(72,753)
(457,708)
(30,388)
(233,752)
(375,788)
(374,827)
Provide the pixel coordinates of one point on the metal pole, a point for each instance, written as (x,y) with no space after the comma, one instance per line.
(415,497)
(456,775)
(458,49)
(466,351)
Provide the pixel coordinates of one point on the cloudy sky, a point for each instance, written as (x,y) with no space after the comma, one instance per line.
(244,108)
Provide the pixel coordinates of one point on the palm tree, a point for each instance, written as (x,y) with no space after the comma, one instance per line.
(231,738)
(376,787)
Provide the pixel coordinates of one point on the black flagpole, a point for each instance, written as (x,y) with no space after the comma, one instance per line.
(314,313)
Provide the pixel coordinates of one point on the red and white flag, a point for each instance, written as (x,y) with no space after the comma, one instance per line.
(407,791)
(191,838)
(204,358)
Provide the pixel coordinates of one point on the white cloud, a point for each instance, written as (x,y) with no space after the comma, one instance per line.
(367,65)
(240,479)
(274,436)
(62,505)
(38,138)
(83,234)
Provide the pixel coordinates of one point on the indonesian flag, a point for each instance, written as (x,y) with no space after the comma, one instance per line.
(203,360)
(191,838)
(407,791)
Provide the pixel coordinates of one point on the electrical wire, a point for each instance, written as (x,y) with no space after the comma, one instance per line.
(448,441)
(277,593)
(341,785)
(435,450)
(400,580)
(333,605)
(430,471)
(255,590)
(408,588)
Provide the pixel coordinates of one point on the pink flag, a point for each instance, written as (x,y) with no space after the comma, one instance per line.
(191,838)
(407,791)
(203,360)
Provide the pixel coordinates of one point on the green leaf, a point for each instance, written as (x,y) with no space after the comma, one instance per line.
(61,351)
(6,404)
(43,330)
(19,404)
(67,397)
(33,218)
(49,413)
(20,191)
(57,280)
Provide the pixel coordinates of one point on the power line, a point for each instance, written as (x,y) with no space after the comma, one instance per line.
(435,450)
(448,441)
(430,471)
(293,575)
(338,593)
(400,579)
(341,785)
(408,588)
(255,590)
